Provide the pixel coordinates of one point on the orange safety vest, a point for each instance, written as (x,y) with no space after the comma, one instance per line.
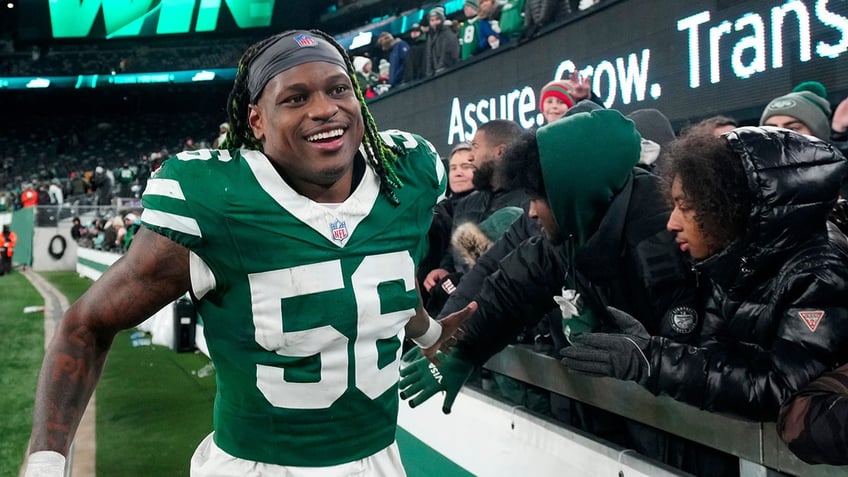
(9,243)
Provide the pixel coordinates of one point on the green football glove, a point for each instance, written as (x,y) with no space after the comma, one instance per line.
(411,356)
(421,379)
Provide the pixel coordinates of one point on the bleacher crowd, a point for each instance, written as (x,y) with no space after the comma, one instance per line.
(427,48)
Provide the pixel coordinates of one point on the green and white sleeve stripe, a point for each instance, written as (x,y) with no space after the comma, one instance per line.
(167,212)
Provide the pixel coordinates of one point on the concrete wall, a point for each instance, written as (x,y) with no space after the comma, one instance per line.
(46,237)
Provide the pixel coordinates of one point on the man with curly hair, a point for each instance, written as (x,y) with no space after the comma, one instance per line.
(750,208)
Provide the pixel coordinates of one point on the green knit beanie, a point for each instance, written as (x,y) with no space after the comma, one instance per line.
(496,224)
(807,103)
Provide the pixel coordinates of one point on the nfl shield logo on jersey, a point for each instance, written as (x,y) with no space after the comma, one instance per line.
(339,230)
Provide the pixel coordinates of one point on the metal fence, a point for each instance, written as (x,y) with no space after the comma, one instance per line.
(760,451)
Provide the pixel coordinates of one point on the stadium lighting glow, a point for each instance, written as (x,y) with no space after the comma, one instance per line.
(96,81)
(203,76)
(38,83)
(10,5)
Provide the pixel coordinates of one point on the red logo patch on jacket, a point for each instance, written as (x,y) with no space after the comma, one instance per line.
(812,318)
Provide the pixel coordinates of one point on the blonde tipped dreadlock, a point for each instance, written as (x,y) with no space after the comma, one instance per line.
(379,155)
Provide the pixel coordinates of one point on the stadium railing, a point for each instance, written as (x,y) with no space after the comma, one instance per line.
(756,444)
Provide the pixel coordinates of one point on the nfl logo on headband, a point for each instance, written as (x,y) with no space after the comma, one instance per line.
(305,40)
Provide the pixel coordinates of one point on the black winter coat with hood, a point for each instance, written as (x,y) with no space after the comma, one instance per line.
(776,315)
(631,262)
(619,253)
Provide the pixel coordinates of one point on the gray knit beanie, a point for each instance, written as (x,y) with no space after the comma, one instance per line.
(807,103)
(437,12)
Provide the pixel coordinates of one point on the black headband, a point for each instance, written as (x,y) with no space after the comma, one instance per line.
(289,50)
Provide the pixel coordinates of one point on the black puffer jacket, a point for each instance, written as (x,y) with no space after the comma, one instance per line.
(776,316)
(631,262)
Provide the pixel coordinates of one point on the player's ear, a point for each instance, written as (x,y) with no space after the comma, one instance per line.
(256,121)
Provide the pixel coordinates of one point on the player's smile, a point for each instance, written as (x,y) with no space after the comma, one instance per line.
(310,123)
(329,139)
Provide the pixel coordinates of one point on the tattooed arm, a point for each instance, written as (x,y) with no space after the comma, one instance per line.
(153,273)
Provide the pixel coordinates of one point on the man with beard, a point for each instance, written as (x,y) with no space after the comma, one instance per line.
(487,147)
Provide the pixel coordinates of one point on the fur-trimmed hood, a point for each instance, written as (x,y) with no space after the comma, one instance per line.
(470,242)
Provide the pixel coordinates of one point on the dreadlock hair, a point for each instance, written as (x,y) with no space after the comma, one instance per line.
(378,154)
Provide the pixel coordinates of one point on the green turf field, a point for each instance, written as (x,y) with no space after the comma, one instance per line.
(152,407)
(21,351)
(152,410)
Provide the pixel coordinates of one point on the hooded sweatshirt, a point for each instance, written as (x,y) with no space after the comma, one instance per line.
(565,147)
(620,253)
(571,160)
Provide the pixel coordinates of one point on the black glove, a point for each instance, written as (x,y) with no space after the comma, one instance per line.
(620,355)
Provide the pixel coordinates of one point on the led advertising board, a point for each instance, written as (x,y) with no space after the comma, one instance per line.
(106,19)
(49,20)
(689,59)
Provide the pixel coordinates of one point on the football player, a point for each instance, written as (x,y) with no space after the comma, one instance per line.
(299,242)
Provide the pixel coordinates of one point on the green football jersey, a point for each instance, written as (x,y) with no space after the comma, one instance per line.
(468,38)
(512,18)
(307,305)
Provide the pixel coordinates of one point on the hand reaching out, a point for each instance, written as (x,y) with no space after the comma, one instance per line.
(623,355)
(433,277)
(421,379)
(451,332)
(582,86)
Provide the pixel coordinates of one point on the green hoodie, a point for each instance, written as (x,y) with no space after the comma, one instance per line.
(586,159)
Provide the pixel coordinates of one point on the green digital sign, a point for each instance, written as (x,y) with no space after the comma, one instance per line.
(132,18)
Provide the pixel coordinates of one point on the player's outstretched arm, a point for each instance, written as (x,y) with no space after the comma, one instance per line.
(153,273)
(432,336)
(420,379)
(451,332)
(437,370)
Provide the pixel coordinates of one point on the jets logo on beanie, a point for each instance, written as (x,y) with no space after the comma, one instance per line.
(807,103)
